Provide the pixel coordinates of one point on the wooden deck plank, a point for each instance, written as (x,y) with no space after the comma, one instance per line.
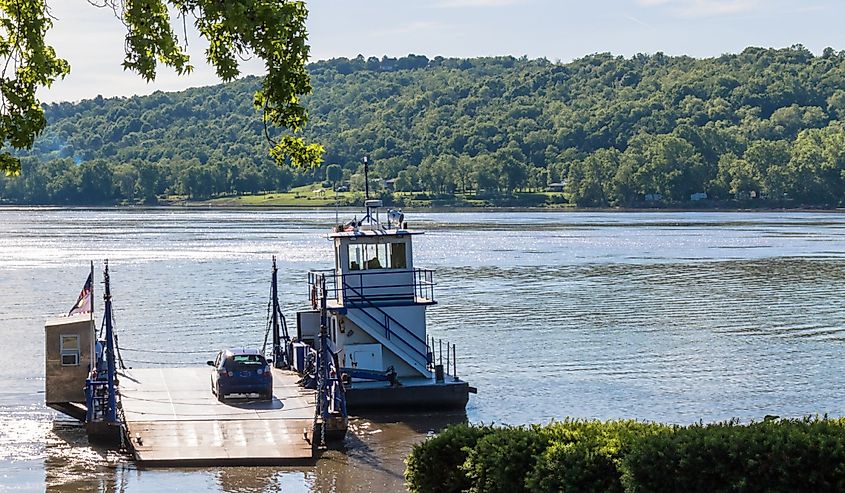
(172,417)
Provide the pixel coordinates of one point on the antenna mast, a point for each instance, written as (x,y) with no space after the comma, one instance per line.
(366,161)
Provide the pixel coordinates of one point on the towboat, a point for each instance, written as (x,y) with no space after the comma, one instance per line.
(372,306)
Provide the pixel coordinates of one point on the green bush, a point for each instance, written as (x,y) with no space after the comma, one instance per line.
(501,461)
(584,456)
(770,456)
(629,456)
(435,465)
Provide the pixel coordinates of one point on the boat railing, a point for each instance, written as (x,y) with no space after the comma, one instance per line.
(414,285)
(96,399)
(441,366)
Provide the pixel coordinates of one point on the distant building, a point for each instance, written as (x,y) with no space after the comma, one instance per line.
(747,195)
(390,185)
(698,196)
(556,186)
(653,197)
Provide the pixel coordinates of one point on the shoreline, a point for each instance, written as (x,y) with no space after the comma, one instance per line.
(435,209)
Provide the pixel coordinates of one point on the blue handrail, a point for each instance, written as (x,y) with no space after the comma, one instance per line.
(421,285)
(386,326)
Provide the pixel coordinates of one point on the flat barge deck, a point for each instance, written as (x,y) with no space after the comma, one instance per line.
(172,417)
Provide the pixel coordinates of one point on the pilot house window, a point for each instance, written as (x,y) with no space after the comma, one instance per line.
(377,256)
(70,350)
(397,256)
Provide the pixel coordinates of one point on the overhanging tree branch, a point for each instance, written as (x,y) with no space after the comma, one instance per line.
(273,30)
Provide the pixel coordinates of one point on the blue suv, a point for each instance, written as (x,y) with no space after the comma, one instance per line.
(241,371)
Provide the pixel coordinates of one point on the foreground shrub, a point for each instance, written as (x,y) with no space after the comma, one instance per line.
(500,461)
(770,456)
(629,456)
(435,465)
(584,456)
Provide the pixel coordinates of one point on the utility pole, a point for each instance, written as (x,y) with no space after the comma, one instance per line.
(366,161)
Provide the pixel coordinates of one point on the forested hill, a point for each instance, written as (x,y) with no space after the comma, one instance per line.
(763,123)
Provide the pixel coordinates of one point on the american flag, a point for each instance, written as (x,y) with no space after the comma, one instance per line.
(83,304)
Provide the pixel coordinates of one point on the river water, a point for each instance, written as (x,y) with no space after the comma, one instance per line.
(676,317)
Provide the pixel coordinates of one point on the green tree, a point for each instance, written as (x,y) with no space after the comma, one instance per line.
(589,180)
(486,174)
(463,172)
(148,180)
(197,181)
(817,166)
(334,174)
(768,163)
(514,170)
(537,178)
(669,166)
(406,180)
(737,176)
(437,174)
(271,30)
(126,181)
(96,182)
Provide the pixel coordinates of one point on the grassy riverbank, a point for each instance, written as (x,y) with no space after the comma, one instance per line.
(315,196)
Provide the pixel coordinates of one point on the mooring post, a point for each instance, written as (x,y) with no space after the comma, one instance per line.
(440,360)
(438,368)
(431,360)
(454,362)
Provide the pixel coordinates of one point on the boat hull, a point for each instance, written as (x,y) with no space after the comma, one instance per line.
(424,395)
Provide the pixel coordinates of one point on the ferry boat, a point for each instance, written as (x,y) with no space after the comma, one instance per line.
(372,305)
(361,346)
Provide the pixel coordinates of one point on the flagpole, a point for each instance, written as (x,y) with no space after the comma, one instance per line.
(91,293)
(92,364)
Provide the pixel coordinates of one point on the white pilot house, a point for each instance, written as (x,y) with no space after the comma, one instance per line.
(376,302)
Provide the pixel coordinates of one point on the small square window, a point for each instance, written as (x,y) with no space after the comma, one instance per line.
(70,343)
(70,359)
(70,350)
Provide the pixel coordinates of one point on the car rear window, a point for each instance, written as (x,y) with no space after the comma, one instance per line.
(244,362)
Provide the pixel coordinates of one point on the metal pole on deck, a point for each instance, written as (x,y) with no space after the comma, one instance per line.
(454,362)
(323,368)
(111,412)
(92,361)
(433,356)
(276,336)
(440,342)
(366,161)
(91,294)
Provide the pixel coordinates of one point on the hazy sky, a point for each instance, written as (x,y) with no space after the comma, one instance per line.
(91,39)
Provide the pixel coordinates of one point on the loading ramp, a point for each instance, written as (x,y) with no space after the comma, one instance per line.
(171,417)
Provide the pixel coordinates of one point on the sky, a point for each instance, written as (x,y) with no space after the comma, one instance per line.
(91,38)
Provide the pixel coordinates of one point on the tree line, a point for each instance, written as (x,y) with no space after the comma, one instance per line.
(764,124)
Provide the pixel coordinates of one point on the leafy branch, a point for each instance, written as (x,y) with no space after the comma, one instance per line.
(273,30)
